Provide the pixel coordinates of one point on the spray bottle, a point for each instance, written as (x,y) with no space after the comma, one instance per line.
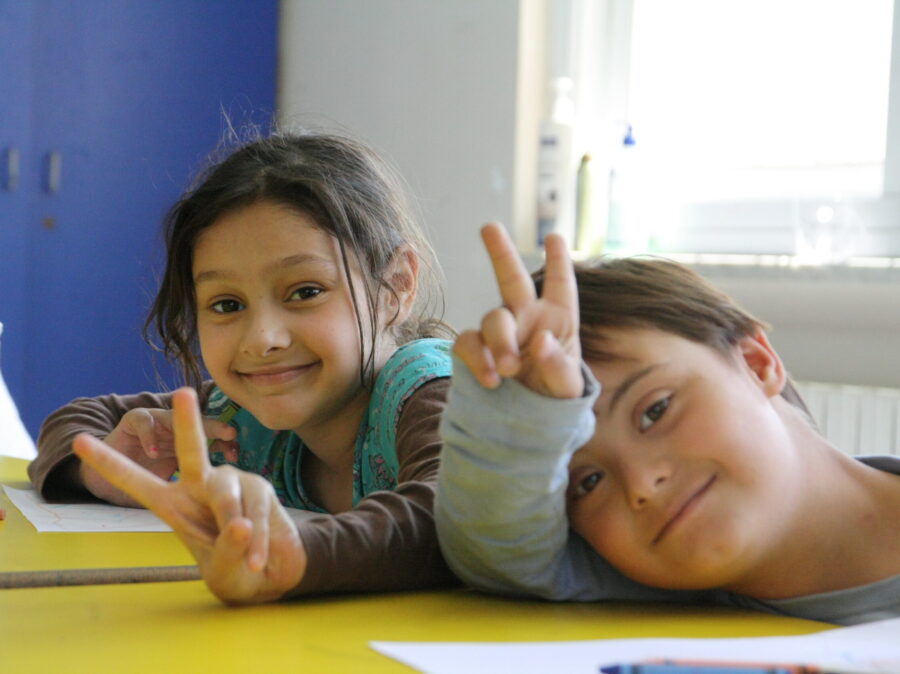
(556,170)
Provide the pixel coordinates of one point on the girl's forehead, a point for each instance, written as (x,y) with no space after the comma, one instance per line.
(263,239)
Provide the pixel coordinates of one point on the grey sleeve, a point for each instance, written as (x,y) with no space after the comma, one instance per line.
(500,506)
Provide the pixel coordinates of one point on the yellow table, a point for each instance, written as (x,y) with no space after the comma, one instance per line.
(181,627)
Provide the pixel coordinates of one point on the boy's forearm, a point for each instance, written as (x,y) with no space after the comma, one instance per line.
(501,496)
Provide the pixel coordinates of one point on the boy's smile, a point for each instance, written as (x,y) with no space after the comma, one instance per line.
(686,482)
(682,512)
(277,324)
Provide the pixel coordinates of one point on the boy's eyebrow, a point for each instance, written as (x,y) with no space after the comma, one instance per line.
(630,381)
(283,263)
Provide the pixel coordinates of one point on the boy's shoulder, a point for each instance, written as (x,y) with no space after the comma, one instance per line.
(886,462)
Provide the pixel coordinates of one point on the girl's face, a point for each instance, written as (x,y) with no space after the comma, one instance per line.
(276,322)
(688,481)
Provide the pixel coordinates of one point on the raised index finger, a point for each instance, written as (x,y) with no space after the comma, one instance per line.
(513,280)
(190,440)
(559,286)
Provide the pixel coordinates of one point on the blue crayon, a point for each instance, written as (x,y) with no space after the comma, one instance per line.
(705,668)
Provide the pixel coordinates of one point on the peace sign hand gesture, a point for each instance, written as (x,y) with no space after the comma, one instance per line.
(246,545)
(532,339)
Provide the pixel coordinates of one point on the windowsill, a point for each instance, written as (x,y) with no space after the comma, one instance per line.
(789,267)
(771,267)
(834,323)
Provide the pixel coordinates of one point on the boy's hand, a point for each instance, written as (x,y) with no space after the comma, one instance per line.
(533,339)
(246,545)
(145,436)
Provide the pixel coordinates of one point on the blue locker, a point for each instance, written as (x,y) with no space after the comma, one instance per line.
(128,98)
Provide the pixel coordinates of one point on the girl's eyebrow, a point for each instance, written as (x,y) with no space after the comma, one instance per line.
(630,381)
(283,263)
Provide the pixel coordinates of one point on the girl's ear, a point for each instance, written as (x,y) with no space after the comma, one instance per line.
(402,275)
(763,363)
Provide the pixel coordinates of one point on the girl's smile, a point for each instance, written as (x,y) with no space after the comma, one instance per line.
(276,376)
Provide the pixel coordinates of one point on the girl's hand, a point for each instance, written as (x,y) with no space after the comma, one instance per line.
(533,339)
(246,545)
(145,436)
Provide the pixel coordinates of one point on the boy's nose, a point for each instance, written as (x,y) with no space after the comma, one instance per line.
(644,481)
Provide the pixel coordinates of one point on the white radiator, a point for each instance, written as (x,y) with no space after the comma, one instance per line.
(855,419)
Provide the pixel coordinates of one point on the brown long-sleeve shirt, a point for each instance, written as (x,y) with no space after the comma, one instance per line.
(388,542)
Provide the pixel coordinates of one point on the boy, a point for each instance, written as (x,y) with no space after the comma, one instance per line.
(692,475)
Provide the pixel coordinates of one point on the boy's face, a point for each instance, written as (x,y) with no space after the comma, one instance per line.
(687,482)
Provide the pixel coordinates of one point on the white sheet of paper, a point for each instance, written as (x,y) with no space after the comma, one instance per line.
(94,517)
(873,648)
(14,439)
(82,517)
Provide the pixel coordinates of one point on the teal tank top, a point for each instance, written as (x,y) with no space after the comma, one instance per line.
(277,455)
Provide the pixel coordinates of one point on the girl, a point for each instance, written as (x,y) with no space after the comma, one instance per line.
(296,271)
(694,474)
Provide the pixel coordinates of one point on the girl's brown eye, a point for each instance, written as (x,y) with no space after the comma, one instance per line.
(227,306)
(654,413)
(306,293)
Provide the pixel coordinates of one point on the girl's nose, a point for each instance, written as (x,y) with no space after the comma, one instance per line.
(265,334)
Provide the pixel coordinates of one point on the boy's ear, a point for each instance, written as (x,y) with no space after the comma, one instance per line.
(763,363)
(402,275)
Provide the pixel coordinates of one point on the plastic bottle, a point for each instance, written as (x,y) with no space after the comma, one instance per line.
(590,223)
(621,190)
(556,176)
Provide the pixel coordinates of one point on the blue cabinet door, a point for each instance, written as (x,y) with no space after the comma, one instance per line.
(130,97)
(16,172)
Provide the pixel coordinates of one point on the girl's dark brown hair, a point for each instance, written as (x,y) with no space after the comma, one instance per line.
(649,292)
(350,193)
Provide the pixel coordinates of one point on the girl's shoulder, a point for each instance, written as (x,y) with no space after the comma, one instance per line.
(429,358)
(413,364)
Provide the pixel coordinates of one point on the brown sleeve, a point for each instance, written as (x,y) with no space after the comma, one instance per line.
(388,542)
(54,473)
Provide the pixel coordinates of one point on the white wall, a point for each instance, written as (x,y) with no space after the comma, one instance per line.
(433,86)
(436,85)
(834,325)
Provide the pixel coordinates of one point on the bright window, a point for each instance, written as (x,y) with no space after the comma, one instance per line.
(760,126)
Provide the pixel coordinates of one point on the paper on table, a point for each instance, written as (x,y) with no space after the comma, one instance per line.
(94,517)
(873,648)
(82,517)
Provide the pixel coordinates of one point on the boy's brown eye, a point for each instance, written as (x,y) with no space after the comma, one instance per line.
(654,413)
(588,484)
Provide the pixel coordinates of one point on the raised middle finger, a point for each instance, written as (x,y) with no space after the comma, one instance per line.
(190,440)
(559,276)
(513,280)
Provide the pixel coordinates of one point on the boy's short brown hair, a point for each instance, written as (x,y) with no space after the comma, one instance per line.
(656,293)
